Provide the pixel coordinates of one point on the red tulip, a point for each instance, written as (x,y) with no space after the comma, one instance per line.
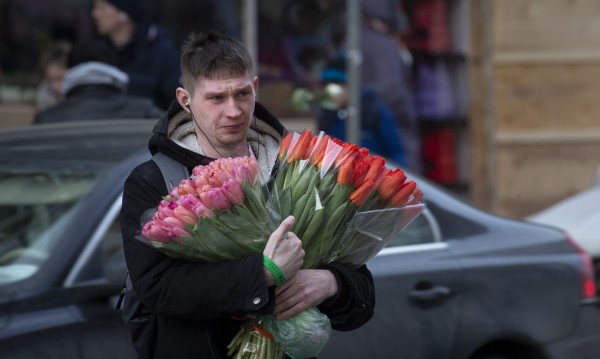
(360,173)
(377,169)
(391,183)
(300,147)
(346,170)
(400,199)
(285,144)
(319,152)
(348,150)
(415,197)
(362,193)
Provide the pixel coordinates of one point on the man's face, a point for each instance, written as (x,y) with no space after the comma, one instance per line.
(223,109)
(106,17)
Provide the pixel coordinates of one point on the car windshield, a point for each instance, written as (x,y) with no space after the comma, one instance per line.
(32,203)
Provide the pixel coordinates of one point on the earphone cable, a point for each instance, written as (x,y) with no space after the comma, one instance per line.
(205,136)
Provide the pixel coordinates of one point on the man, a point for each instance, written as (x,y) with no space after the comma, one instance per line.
(93,88)
(191,304)
(144,52)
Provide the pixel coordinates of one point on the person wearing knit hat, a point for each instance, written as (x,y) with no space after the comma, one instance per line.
(143,50)
(133,8)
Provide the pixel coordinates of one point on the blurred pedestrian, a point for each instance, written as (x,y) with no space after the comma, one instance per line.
(384,66)
(54,67)
(379,131)
(143,50)
(93,88)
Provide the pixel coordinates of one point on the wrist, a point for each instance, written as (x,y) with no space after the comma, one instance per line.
(271,267)
(269,279)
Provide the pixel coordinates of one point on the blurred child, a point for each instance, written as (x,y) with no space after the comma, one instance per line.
(54,66)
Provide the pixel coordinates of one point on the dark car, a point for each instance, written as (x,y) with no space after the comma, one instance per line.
(457,283)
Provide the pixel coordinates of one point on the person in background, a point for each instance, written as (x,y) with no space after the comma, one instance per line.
(93,88)
(384,66)
(379,132)
(54,66)
(191,304)
(143,50)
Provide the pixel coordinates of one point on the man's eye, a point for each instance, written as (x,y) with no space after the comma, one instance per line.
(244,93)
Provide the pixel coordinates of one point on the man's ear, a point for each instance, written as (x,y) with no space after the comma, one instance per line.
(183,97)
(255,84)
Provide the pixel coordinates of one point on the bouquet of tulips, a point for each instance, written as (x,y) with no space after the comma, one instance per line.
(348,205)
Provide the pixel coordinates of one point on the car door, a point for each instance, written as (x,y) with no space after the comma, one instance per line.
(417,282)
(77,319)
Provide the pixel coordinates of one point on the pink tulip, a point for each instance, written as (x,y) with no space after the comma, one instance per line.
(186,187)
(188,201)
(233,192)
(185,215)
(215,199)
(202,211)
(177,233)
(155,231)
(200,181)
(241,174)
(173,222)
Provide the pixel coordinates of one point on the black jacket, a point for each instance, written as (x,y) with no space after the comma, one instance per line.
(151,60)
(192,303)
(91,102)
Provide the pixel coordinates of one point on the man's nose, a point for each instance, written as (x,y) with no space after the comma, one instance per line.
(232,108)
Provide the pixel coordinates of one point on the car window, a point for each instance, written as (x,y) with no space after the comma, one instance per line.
(34,205)
(113,258)
(422,230)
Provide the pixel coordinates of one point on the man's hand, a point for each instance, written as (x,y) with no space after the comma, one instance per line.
(308,288)
(285,249)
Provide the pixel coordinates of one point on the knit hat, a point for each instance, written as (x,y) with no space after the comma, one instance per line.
(133,8)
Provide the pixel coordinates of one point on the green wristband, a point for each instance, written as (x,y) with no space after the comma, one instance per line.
(274,269)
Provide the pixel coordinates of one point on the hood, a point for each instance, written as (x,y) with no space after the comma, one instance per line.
(175,136)
(94,73)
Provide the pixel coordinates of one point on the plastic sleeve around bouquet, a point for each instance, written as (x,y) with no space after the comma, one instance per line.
(371,231)
(302,336)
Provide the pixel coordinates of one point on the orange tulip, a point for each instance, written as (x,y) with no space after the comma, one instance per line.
(362,153)
(390,183)
(362,193)
(300,147)
(319,152)
(285,143)
(401,197)
(415,198)
(360,172)
(345,173)
(377,169)
(311,147)
(348,149)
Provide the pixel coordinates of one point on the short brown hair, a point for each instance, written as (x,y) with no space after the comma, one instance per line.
(209,55)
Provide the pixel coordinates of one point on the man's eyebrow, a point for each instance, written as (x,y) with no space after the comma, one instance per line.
(223,92)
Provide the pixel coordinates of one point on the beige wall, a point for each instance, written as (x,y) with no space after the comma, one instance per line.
(536,121)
